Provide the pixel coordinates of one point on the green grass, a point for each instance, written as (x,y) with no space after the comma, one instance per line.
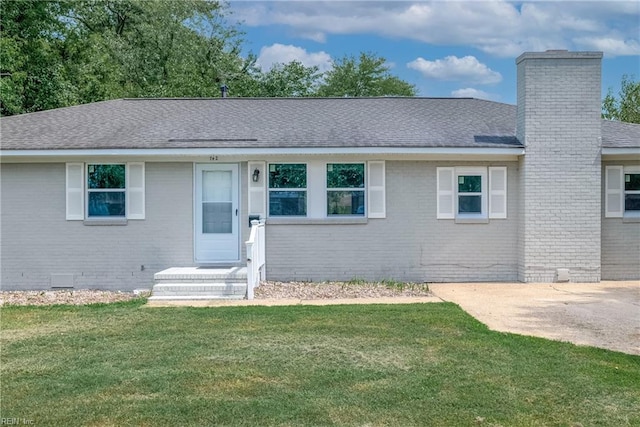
(376,365)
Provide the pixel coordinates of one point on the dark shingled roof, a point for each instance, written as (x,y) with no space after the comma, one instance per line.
(278,123)
(265,123)
(620,135)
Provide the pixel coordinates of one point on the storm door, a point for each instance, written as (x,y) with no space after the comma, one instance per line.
(217,236)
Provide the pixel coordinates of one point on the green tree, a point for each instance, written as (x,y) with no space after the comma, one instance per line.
(154,48)
(32,72)
(286,80)
(367,75)
(626,108)
(57,53)
(66,52)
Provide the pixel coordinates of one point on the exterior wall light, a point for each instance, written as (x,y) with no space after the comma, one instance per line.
(256,175)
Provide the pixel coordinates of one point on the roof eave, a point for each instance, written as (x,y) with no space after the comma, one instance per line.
(6,155)
(621,153)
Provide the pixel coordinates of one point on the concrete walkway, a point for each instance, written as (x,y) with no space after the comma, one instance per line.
(605,315)
(279,302)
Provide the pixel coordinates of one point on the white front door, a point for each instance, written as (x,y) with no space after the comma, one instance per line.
(217,237)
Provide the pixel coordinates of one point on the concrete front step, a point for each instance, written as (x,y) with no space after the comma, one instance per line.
(196,283)
(201,275)
(199,291)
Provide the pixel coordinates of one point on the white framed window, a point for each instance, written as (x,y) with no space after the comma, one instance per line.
(318,189)
(632,191)
(471,192)
(105,191)
(345,183)
(287,189)
(622,191)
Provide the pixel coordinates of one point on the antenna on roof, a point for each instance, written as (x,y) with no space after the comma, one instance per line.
(224,89)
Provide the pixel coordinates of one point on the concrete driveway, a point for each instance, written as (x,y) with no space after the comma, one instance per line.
(605,315)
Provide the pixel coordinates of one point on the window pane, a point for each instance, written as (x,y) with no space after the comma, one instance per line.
(217,217)
(345,202)
(632,202)
(632,181)
(216,186)
(103,203)
(105,176)
(288,203)
(469,184)
(469,204)
(345,175)
(288,176)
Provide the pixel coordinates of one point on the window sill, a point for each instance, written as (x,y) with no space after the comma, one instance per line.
(316,221)
(631,217)
(104,221)
(472,220)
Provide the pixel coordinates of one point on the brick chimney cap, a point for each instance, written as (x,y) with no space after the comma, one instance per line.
(558,54)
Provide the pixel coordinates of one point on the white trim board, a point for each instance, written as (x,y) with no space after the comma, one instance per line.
(263,152)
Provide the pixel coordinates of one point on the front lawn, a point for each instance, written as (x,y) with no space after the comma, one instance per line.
(396,365)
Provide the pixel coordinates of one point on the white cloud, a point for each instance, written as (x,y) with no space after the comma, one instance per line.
(612,46)
(501,28)
(279,53)
(470,92)
(467,68)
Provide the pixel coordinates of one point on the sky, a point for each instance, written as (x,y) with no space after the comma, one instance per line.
(444,48)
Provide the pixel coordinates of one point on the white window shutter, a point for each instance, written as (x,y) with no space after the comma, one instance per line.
(135,191)
(376,193)
(446,194)
(75,191)
(257,190)
(614,197)
(498,192)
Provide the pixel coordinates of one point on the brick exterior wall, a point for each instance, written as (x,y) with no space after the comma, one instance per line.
(620,241)
(101,257)
(410,244)
(560,174)
(38,244)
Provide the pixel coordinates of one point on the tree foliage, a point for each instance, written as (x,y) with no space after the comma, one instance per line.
(367,75)
(31,67)
(58,53)
(292,79)
(625,108)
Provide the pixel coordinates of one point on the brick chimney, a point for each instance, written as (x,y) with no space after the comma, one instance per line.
(558,121)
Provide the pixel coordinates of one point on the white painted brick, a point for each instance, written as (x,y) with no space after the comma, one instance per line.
(409,244)
(560,180)
(104,257)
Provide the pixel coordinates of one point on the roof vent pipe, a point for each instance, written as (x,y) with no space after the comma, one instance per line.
(224,89)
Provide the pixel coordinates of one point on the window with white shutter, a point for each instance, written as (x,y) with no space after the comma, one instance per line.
(135,191)
(471,193)
(614,198)
(376,195)
(75,191)
(105,191)
(498,192)
(446,202)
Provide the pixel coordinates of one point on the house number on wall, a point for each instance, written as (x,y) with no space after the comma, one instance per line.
(213,158)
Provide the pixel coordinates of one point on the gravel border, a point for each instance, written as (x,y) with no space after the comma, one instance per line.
(339,290)
(67,297)
(267,290)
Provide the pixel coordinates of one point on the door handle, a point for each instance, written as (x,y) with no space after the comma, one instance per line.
(236,212)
